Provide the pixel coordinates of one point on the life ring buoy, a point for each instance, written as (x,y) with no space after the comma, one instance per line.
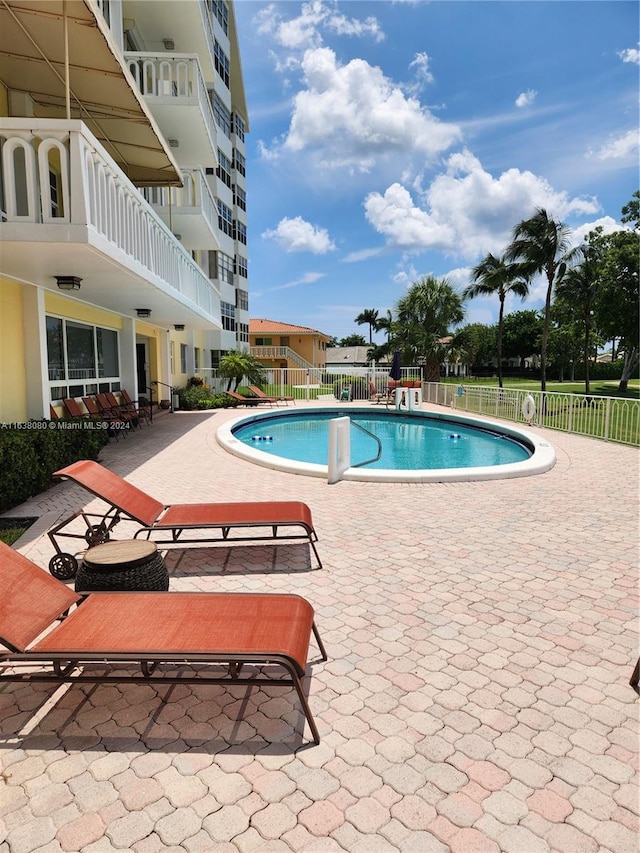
(528,408)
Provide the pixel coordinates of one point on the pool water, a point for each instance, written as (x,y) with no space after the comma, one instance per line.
(408,442)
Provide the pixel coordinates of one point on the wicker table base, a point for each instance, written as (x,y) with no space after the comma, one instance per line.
(123,565)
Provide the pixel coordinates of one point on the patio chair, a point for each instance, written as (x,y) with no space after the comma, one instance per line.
(162,632)
(276,398)
(117,425)
(247,401)
(141,409)
(108,403)
(378,396)
(156,518)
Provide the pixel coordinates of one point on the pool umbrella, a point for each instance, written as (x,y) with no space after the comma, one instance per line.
(395,372)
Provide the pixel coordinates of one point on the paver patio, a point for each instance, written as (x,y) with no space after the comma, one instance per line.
(481,637)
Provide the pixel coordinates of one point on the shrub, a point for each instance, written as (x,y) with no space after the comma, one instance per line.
(195,397)
(29,456)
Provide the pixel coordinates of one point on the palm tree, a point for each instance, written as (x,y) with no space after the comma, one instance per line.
(425,316)
(368,317)
(386,324)
(235,365)
(578,289)
(494,275)
(541,245)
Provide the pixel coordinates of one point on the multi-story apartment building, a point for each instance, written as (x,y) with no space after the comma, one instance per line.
(123,240)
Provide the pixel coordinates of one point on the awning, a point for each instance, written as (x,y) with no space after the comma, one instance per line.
(102,92)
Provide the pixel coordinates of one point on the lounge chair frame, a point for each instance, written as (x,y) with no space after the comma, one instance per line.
(168,524)
(63,615)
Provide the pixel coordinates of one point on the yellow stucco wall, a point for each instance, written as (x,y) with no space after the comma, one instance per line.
(13,381)
(71,310)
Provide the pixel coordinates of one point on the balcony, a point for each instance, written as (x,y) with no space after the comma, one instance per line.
(188,25)
(190,211)
(174,90)
(70,210)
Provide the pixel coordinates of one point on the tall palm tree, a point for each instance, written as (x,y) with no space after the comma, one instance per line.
(495,275)
(386,324)
(541,245)
(579,289)
(368,317)
(425,316)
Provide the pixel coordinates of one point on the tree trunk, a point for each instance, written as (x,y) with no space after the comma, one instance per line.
(432,371)
(630,363)
(545,332)
(500,324)
(587,386)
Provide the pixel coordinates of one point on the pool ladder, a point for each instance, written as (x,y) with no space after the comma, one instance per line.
(340,448)
(375,438)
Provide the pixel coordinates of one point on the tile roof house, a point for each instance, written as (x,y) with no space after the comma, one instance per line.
(285,345)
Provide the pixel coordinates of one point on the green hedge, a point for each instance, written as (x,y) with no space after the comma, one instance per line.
(29,455)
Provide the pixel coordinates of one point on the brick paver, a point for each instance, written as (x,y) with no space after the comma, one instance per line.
(476,699)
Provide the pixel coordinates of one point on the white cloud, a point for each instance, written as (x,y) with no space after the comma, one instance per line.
(352,114)
(525,99)
(304,31)
(361,255)
(618,147)
(307,278)
(297,235)
(607,223)
(421,64)
(631,54)
(466,212)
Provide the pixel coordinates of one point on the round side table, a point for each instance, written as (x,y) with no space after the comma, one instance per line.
(130,564)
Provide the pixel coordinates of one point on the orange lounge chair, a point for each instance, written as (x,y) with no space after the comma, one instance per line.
(117,425)
(141,409)
(111,630)
(247,401)
(276,398)
(157,518)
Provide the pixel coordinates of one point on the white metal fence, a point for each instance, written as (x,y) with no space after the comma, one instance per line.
(608,418)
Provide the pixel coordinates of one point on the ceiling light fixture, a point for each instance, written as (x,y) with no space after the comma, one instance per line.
(68,282)
(143,312)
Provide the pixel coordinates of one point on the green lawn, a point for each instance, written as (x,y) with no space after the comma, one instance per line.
(599,387)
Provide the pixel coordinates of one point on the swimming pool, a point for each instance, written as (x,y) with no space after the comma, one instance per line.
(459,447)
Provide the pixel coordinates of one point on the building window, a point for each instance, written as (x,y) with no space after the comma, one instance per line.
(221,114)
(239,163)
(239,197)
(264,342)
(242,333)
(221,62)
(225,218)
(224,169)
(107,347)
(240,232)
(222,267)
(196,358)
(238,126)
(228,316)
(82,354)
(220,10)
(242,300)
(183,358)
(284,342)
(215,359)
(241,266)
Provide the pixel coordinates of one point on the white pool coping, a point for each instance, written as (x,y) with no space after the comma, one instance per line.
(542,459)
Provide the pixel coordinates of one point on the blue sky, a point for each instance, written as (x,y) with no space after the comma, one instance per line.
(395,139)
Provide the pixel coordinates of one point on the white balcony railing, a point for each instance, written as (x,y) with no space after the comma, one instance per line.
(177,76)
(56,173)
(194,198)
